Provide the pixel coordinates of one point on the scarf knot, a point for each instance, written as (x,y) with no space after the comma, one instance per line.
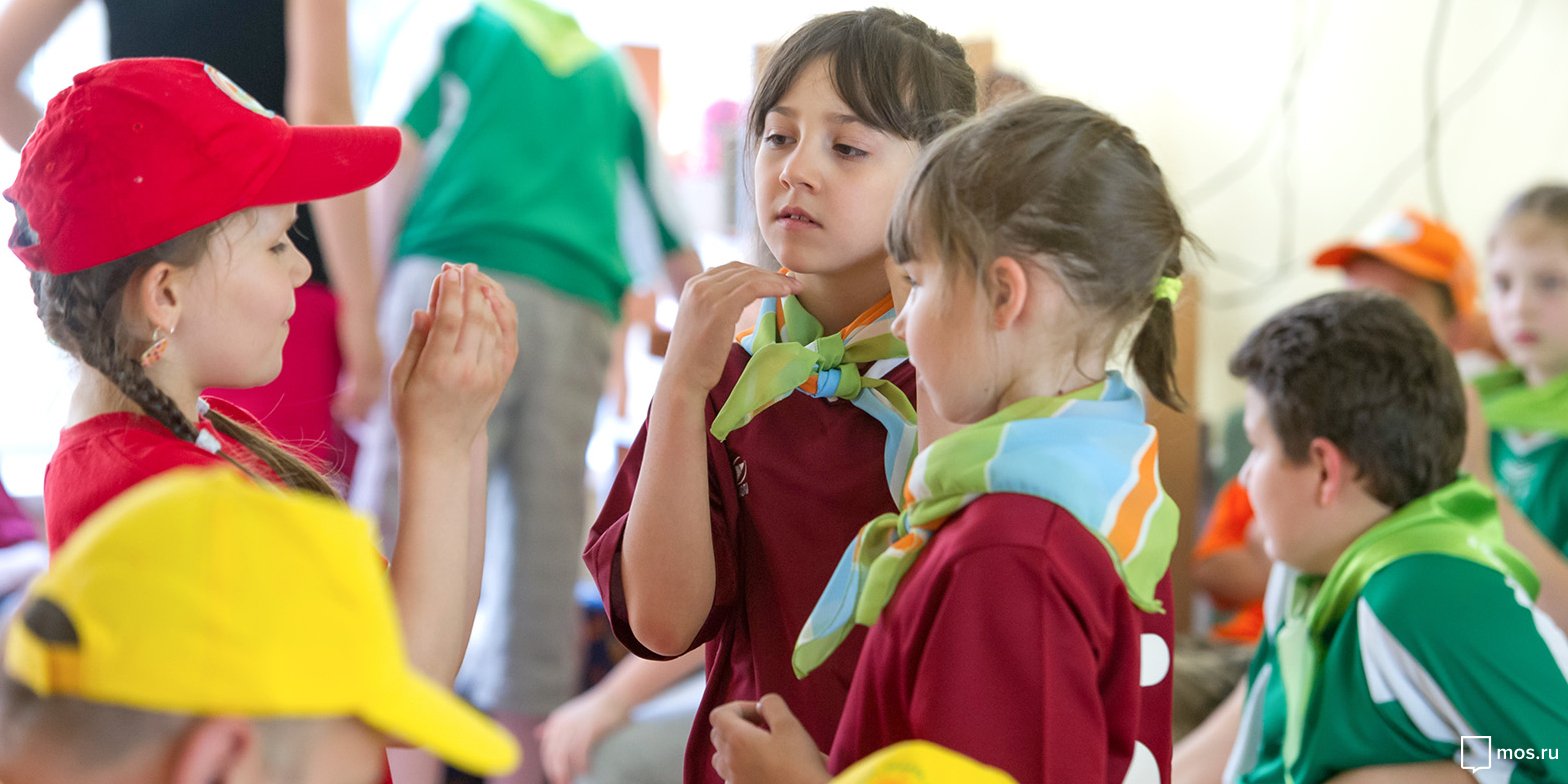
(790,352)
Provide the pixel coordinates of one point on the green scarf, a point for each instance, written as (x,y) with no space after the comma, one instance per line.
(552,35)
(789,352)
(1459,520)
(1511,404)
(1089,452)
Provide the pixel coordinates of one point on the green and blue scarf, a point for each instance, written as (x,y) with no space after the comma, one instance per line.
(790,353)
(1089,452)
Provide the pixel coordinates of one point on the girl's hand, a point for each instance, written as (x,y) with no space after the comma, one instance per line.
(459,355)
(570,733)
(711,304)
(763,742)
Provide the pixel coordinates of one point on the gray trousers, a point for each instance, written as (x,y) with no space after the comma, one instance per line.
(525,655)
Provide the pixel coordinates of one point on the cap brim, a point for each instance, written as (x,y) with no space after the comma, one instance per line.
(1337,255)
(324,161)
(420,713)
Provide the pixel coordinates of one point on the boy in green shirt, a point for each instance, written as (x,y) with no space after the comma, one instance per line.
(1401,637)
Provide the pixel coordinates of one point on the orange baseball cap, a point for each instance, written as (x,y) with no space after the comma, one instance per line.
(1418,245)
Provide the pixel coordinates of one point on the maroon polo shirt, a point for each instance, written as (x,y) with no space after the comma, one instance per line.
(787,494)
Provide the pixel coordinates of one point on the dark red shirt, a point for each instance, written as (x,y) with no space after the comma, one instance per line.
(787,494)
(1012,640)
(101,457)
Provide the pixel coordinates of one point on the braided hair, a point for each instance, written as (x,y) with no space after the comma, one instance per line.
(82,314)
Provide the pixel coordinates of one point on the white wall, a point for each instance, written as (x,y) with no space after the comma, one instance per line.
(1201,81)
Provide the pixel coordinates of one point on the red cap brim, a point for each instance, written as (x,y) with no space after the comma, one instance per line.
(324,161)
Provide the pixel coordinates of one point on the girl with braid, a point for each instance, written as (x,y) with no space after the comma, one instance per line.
(153,203)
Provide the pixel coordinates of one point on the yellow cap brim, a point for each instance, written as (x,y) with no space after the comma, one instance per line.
(420,713)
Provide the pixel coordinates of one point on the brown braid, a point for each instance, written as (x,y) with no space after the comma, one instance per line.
(81,313)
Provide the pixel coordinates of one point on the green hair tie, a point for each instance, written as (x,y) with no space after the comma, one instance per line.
(1167,289)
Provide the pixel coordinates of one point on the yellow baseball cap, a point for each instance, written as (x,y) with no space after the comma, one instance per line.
(920,762)
(201,592)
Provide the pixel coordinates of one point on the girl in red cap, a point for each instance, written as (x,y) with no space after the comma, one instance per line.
(153,204)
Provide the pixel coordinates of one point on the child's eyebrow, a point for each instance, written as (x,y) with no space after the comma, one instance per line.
(838,118)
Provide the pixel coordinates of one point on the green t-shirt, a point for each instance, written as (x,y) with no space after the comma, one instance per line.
(523,164)
(1533,472)
(1433,649)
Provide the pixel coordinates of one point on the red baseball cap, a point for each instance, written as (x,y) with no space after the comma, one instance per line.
(139,151)
(1418,245)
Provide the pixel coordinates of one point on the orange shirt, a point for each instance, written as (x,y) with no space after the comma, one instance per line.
(1227,530)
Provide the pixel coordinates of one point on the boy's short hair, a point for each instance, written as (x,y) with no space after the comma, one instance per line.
(1362,370)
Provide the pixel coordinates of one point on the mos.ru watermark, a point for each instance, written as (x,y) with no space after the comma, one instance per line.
(1476,753)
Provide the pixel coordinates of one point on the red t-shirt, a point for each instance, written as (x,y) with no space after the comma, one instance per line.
(1012,640)
(101,457)
(787,493)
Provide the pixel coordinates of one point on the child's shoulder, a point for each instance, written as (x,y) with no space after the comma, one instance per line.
(1436,596)
(1017,522)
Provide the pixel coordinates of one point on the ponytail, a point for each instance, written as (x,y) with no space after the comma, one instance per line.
(1154,354)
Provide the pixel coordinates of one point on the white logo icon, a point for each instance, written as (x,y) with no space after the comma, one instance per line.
(1475,752)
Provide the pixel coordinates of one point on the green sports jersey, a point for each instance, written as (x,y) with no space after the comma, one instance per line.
(1532,470)
(529,132)
(1433,649)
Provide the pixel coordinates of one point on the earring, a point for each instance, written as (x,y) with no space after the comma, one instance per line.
(160,344)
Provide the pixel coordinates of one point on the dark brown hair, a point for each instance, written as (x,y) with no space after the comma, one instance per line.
(82,314)
(895,72)
(1362,370)
(1050,179)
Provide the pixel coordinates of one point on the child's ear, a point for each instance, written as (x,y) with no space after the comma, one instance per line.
(1008,282)
(158,292)
(1334,470)
(214,751)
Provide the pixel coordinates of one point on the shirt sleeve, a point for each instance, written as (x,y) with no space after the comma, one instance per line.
(424,115)
(1465,652)
(652,175)
(1227,526)
(603,552)
(1040,653)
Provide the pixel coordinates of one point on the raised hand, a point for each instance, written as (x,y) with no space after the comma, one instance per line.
(711,304)
(459,354)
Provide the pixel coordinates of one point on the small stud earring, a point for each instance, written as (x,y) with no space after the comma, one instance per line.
(160,344)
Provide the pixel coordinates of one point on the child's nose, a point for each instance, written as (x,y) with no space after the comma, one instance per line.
(799,169)
(299,266)
(898,323)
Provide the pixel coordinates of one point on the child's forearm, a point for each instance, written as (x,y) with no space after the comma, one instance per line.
(1201,756)
(433,567)
(1547,561)
(667,566)
(1444,772)
(634,681)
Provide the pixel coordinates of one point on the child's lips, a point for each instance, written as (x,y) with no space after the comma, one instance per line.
(1526,338)
(796,218)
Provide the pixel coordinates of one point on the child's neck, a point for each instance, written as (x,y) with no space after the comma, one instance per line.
(1044,379)
(837,298)
(1535,375)
(95,395)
